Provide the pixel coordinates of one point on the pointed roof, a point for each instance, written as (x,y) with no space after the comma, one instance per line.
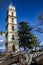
(11,2)
(11,6)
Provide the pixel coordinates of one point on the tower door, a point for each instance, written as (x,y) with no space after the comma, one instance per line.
(13,48)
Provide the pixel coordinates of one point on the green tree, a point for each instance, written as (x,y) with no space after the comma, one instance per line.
(35,41)
(40,18)
(40,26)
(25,35)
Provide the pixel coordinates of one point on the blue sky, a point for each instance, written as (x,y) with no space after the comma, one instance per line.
(27,10)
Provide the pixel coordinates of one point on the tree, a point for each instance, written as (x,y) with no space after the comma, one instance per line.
(35,41)
(40,28)
(25,33)
(40,17)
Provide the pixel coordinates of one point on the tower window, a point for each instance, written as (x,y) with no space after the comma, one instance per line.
(12,37)
(12,20)
(13,48)
(12,28)
(12,13)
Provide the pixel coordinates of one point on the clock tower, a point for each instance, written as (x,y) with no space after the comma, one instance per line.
(11,30)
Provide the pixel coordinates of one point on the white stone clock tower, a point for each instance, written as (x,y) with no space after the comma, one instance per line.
(11,30)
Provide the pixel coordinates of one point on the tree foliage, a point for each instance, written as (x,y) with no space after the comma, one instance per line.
(25,35)
(35,41)
(40,18)
(39,27)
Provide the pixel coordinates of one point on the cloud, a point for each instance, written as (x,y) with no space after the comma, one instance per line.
(41,43)
(2,38)
(2,47)
(2,43)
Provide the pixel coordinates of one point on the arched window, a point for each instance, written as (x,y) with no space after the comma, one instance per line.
(13,37)
(12,28)
(13,48)
(12,13)
(12,20)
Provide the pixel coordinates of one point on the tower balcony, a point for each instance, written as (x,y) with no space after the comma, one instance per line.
(12,16)
(14,41)
(15,32)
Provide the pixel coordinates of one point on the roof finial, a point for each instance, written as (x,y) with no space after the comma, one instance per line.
(10,2)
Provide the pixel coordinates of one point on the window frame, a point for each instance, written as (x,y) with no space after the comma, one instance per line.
(12,13)
(12,28)
(13,37)
(12,20)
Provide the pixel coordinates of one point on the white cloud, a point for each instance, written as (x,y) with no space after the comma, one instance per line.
(2,47)
(2,43)
(1,40)
(41,43)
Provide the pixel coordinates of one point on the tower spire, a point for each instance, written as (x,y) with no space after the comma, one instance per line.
(10,2)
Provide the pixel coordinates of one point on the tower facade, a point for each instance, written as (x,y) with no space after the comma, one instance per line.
(11,30)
